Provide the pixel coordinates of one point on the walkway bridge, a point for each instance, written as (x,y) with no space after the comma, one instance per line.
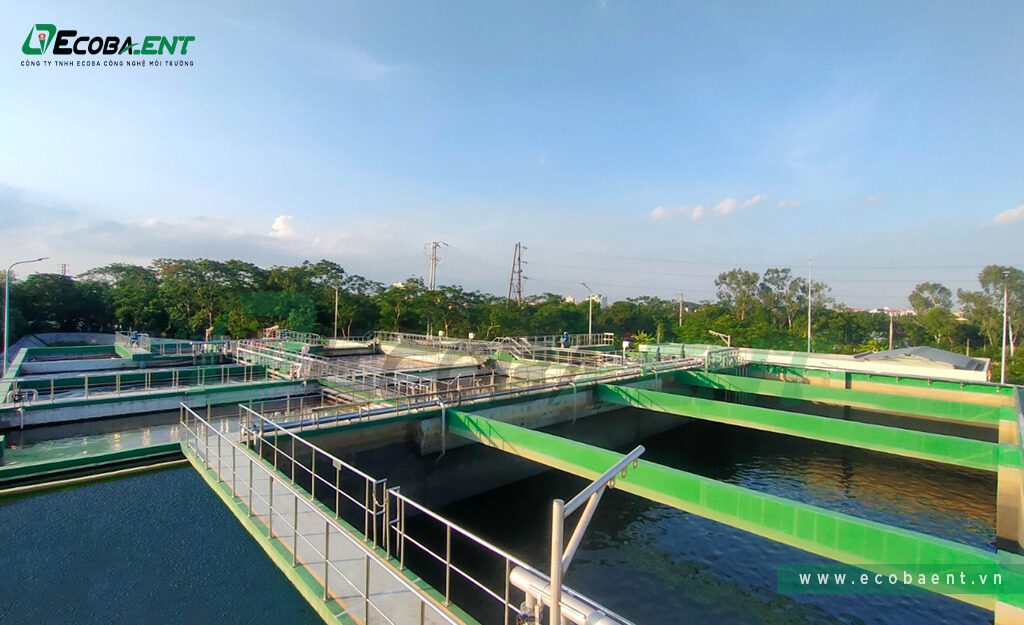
(340,535)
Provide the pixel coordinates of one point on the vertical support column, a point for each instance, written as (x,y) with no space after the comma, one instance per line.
(557,528)
(1006,614)
(1010,489)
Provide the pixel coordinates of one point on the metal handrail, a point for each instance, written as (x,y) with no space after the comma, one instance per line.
(394,537)
(329,569)
(145,383)
(402,537)
(318,417)
(373,488)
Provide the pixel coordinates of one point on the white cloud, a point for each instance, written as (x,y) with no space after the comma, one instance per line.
(726,206)
(1008,216)
(754,199)
(283,227)
(873,199)
(788,204)
(730,204)
(693,212)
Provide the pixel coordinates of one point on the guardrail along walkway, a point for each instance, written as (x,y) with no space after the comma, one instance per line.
(337,572)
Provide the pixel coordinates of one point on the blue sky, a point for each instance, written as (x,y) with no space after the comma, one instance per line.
(639,147)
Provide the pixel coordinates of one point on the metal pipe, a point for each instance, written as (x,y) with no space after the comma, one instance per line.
(581,529)
(575,610)
(444,430)
(601,481)
(557,527)
(1006,299)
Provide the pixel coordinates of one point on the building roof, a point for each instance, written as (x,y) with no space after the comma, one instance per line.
(930,354)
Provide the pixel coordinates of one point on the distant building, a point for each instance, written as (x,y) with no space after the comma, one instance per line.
(926,357)
(895,312)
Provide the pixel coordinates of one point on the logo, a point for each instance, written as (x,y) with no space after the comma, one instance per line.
(39,38)
(43,37)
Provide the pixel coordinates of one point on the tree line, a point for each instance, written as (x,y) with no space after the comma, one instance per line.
(193,298)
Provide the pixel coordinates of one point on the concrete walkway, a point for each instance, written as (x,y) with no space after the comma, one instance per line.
(361,586)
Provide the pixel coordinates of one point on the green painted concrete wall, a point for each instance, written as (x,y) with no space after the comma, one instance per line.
(94,462)
(873,546)
(883,402)
(908,443)
(907,381)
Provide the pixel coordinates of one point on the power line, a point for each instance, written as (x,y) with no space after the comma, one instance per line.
(743,265)
(674,274)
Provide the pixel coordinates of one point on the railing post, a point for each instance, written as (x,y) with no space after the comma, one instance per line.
(295,530)
(220,459)
(234,466)
(447,564)
(270,515)
(327,560)
(251,487)
(366,509)
(387,524)
(366,586)
(401,533)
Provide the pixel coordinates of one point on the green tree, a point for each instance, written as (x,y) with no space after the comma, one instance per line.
(930,295)
(739,289)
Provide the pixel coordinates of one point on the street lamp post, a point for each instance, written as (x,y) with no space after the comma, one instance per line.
(1006,300)
(7,303)
(590,312)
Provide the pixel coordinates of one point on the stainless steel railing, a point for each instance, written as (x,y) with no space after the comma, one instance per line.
(317,417)
(384,512)
(499,593)
(252,428)
(50,389)
(353,577)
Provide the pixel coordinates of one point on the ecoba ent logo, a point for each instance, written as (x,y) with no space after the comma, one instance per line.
(43,37)
(38,39)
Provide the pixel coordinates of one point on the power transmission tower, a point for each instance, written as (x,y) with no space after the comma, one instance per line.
(515,281)
(433,261)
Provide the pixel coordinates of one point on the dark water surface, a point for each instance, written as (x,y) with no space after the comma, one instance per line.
(158,548)
(660,566)
(161,548)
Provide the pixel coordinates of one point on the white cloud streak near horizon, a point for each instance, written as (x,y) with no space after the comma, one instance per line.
(726,206)
(1008,216)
